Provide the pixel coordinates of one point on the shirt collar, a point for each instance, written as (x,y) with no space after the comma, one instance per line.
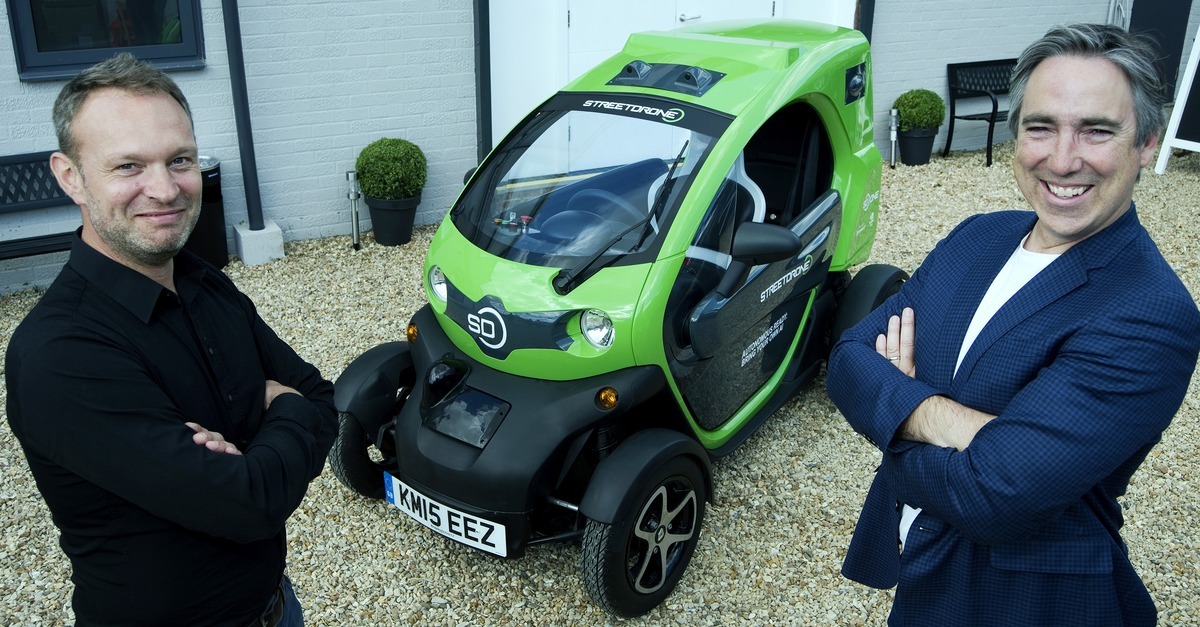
(135,291)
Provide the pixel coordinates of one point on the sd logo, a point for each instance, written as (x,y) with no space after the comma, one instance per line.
(488,327)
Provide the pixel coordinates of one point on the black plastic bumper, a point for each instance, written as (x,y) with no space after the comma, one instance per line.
(523,460)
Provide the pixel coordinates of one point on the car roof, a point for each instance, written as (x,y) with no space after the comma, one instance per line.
(747,61)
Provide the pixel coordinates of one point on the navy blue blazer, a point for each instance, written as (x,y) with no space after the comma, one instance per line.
(1084,367)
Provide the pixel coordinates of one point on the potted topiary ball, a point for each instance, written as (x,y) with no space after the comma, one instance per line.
(391,175)
(920,113)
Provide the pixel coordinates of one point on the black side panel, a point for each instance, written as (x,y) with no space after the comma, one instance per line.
(753,329)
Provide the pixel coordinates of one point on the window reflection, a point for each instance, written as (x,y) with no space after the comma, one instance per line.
(65,25)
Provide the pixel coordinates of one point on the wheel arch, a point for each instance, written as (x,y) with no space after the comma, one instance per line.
(367,387)
(612,485)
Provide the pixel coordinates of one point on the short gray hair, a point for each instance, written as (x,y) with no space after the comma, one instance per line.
(1135,54)
(124,72)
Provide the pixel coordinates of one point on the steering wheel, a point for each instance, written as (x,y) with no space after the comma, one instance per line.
(567,226)
(593,201)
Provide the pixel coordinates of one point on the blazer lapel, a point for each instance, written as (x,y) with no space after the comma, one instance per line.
(965,302)
(1061,277)
(991,256)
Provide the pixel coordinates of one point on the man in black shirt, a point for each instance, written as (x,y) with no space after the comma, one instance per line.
(169,429)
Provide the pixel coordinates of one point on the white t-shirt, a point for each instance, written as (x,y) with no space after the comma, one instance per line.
(1021,267)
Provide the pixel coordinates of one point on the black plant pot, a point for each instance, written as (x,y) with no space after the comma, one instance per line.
(916,145)
(392,220)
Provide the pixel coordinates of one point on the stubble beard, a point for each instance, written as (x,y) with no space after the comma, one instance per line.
(137,247)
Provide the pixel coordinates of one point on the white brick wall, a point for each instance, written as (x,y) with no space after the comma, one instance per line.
(913,40)
(25,127)
(324,78)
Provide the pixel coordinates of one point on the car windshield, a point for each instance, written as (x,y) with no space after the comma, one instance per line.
(586,183)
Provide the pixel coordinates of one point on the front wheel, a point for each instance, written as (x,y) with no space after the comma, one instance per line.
(631,565)
(354,460)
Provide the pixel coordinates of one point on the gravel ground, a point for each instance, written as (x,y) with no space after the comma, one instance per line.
(787,499)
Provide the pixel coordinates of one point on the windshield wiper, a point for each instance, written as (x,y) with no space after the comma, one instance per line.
(567,280)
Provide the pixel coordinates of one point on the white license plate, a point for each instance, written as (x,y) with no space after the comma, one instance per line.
(459,526)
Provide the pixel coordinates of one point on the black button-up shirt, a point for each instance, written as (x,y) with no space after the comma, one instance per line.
(101,376)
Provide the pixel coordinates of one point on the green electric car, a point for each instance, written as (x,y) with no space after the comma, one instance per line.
(643,271)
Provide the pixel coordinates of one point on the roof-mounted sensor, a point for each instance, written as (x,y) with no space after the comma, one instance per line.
(685,79)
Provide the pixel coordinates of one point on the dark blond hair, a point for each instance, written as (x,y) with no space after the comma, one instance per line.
(123,71)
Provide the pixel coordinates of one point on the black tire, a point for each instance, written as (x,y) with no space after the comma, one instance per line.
(630,566)
(869,288)
(351,461)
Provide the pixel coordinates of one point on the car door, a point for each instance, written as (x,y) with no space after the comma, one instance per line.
(731,325)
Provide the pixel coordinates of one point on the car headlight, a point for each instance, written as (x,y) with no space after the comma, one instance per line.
(597,328)
(437,283)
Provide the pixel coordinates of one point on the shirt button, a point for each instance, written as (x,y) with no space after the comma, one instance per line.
(212,351)
(229,397)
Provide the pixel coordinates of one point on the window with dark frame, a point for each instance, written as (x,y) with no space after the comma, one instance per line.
(55,39)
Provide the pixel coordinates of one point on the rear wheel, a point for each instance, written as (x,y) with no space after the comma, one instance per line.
(631,565)
(869,288)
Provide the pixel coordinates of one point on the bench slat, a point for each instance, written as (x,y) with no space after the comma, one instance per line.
(28,246)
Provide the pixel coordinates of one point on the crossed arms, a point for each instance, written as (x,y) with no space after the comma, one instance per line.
(1064,424)
(937,420)
(115,427)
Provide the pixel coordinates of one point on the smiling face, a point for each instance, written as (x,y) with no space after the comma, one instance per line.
(1077,158)
(136,176)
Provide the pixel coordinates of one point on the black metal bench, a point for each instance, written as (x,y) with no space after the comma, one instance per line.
(27,183)
(979,79)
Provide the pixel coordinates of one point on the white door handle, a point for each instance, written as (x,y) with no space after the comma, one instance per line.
(684,17)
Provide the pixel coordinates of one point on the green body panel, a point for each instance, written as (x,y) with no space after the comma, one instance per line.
(527,289)
(767,67)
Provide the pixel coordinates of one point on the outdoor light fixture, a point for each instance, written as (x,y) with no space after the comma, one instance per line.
(353,194)
(894,127)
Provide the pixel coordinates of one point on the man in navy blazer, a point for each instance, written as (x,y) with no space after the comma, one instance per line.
(1055,346)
